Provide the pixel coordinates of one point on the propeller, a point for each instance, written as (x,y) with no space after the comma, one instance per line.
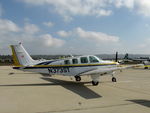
(116,59)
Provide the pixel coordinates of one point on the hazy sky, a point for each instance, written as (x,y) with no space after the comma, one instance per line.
(75,26)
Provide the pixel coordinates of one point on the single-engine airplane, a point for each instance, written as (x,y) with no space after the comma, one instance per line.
(72,66)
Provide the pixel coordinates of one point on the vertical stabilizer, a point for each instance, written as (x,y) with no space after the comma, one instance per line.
(20,56)
(126,56)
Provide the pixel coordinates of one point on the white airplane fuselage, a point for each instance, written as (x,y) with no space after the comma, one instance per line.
(59,67)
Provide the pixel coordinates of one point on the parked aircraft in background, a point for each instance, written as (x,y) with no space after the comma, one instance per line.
(72,66)
(135,60)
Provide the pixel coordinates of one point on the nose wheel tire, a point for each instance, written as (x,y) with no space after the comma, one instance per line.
(95,83)
(114,79)
(78,78)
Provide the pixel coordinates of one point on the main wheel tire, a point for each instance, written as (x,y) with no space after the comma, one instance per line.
(114,79)
(78,78)
(95,83)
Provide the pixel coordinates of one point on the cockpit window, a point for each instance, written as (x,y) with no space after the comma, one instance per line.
(84,60)
(75,61)
(67,62)
(93,59)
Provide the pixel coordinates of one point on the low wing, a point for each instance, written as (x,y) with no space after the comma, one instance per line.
(108,70)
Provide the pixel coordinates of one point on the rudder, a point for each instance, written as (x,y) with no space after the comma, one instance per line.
(20,56)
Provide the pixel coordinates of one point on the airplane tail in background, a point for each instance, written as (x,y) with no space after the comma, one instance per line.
(126,56)
(20,56)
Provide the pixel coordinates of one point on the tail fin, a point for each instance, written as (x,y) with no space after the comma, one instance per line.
(126,56)
(20,56)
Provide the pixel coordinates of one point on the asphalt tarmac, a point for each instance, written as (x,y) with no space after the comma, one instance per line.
(27,92)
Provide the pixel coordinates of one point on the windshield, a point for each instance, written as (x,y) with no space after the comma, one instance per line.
(93,59)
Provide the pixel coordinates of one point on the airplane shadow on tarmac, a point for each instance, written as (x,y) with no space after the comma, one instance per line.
(77,88)
(143,102)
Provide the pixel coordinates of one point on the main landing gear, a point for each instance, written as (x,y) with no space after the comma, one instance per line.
(95,79)
(78,78)
(95,83)
(114,79)
(145,67)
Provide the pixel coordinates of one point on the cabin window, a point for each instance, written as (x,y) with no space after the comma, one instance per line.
(67,62)
(75,61)
(84,60)
(93,59)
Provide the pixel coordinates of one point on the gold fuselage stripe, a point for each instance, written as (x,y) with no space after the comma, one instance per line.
(147,65)
(76,65)
(15,59)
